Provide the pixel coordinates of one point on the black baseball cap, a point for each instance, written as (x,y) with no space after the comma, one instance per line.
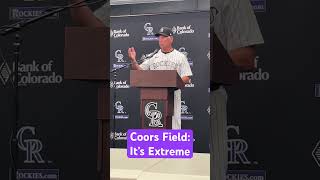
(165,31)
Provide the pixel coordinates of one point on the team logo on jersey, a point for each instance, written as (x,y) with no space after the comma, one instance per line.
(150,35)
(153,114)
(180,30)
(120,114)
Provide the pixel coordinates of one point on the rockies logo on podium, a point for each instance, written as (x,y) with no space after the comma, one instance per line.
(154,115)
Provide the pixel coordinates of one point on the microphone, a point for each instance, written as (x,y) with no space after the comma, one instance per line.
(148,56)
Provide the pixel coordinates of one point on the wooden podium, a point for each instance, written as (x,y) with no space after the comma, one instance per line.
(86,58)
(156,96)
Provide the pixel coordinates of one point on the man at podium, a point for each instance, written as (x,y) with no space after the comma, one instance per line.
(167,58)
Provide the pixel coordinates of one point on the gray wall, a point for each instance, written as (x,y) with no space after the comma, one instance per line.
(155,8)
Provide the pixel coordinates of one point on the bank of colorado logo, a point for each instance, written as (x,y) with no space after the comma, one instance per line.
(185,29)
(119,33)
(258,75)
(5,73)
(118,136)
(34,73)
(119,84)
(316,153)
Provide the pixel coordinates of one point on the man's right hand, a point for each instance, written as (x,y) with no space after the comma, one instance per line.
(132,54)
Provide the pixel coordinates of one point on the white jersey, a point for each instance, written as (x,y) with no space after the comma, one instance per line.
(174,60)
(235,24)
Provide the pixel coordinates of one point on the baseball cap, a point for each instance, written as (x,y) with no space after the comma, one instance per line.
(164,31)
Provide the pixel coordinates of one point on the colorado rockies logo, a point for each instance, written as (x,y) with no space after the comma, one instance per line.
(149,29)
(118,54)
(32,147)
(119,107)
(184,108)
(153,115)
